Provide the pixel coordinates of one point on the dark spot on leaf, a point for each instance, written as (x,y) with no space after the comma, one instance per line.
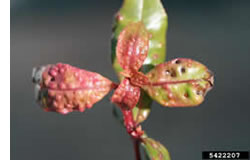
(178,61)
(173,73)
(186,95)
(183,70)
(167,71)
(199,92)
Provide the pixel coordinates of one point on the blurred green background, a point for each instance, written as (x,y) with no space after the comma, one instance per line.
(214,32)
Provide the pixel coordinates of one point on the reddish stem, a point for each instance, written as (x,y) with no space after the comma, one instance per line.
(137,149)
(133,130)
(129,121)
(114,85)
(210,80)
(174,82)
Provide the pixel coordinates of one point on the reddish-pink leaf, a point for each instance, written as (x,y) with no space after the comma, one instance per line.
(64,88)
(126,95)
(132,46)
(139,79)
(180,82)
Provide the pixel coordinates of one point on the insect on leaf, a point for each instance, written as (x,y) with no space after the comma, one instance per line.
(63,88)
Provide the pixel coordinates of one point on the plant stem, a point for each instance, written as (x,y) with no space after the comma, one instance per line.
(133,131)
(128,120)
(137,149)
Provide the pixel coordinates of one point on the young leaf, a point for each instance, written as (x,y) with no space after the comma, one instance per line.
(180,82)
(132,46)
(63,88)
(152,14)
(138,79)
(140,112)
(126,95)
(155,150)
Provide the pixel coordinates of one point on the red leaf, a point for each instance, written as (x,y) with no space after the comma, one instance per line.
(64,88)
(132,46)
(139,79)
(126,95)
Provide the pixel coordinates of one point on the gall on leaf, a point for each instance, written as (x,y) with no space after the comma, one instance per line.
(179,83)
(132,46)
(140,112)
(153,15)
(154,150)
(63,88)
(126,95)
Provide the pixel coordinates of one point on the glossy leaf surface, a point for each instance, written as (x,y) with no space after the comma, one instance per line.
(132,46)
(126,95)
(155,150)
(180,82)
(152,14)
(63,88)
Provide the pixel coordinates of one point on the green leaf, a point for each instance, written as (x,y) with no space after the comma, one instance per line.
(180,82)
(143,108)
(154,149)
(152,14)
